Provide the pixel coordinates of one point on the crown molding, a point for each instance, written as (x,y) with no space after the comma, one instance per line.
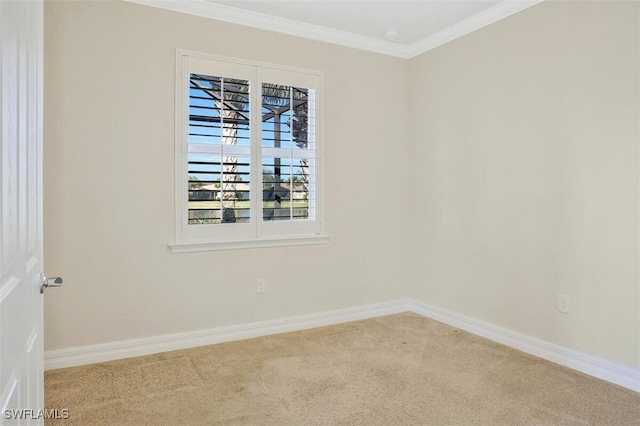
(263,21)
(207,9)
(480,20)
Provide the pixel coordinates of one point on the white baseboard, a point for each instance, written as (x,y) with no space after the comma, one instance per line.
(72,357)
(601,368)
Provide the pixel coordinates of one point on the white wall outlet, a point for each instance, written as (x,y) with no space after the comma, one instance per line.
(564,304)
(262,285)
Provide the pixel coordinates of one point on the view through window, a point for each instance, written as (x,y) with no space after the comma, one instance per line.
(249,151)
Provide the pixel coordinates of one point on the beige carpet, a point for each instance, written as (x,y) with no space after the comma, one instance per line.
(395,370)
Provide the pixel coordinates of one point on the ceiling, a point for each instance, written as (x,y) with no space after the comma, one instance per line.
(416,26)
(413,20)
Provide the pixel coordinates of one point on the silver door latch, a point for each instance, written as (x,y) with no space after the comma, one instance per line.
(49,282)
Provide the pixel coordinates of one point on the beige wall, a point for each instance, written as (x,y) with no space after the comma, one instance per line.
(521,139)
(109,137)
(526,175)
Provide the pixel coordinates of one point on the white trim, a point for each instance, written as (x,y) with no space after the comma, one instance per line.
(234,60)
(148,345)
(261,242)
(255,233)
(601,368)
(480,20)
(180,166)
(263,21)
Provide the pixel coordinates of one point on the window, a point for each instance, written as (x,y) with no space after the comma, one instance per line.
(248,163)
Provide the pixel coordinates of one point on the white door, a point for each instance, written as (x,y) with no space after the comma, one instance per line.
(21,348)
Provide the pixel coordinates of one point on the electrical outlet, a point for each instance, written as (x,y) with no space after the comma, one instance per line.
(564,304)
(262,285)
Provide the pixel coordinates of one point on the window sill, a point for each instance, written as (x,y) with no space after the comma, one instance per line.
(294,240)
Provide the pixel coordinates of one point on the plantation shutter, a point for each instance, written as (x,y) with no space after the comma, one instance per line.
(247,150)
(288,134)
(218,176)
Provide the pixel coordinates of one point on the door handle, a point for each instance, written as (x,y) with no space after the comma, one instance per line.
(49,282)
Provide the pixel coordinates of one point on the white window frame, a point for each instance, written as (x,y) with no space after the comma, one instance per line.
(258,232)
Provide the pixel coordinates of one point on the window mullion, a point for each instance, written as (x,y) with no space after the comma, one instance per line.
(256,151)
(222,143)
(291,153)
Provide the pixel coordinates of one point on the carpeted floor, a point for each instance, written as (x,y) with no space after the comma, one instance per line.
(396,370)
